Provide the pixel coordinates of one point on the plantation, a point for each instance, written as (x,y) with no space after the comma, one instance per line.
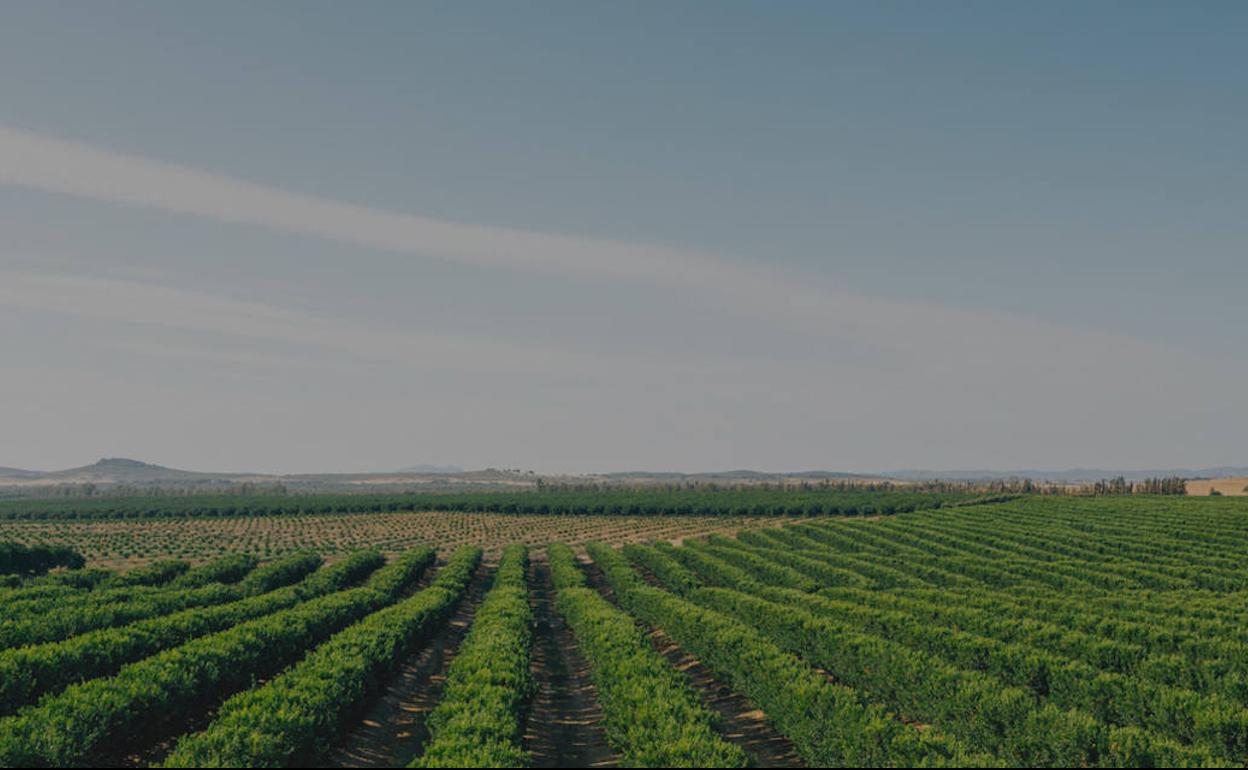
(125,544)
(1035,631)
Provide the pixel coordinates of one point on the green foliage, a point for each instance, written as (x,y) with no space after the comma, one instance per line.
(18,559)
(61,620)
(154,574)
(228,570)
(754,501)
(280,572)
(662,565)
(652,716)
(563,570)
(479,720)
(33,670)
(119,600)
(294,719)
(1070,632)
(826,722)
(79,725)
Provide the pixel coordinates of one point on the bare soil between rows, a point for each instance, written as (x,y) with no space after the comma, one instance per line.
(392,731)
(565,726)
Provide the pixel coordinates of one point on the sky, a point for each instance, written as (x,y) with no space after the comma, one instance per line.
(586,236)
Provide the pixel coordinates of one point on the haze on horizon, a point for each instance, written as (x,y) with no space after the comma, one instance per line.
(582,237)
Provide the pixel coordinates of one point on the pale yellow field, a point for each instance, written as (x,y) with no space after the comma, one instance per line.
(1201,487)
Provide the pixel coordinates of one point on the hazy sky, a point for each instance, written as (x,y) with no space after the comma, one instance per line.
(579,236)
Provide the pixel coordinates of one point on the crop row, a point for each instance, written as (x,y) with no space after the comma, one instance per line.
(29,672)
(294,719)
(651,715)
(1218,725)
(828,723)
(479,721)
(53,619)
(79,725)
(226,570)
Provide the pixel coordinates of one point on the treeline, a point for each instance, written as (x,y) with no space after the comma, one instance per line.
(1172,485)
(18,559)
(756,501)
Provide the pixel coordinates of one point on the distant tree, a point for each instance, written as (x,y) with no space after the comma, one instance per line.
(1172,485)
(18,559)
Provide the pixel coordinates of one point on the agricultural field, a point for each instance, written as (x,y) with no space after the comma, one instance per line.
(127,532)
(128,543)
(1237,486)
(1029,632)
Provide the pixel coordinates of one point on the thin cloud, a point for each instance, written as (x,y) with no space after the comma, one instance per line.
(52,165)
(133,302)
(973,351)
(905,329)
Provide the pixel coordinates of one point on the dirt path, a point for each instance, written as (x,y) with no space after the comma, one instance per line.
(565,720)
(390,733)
(740,721)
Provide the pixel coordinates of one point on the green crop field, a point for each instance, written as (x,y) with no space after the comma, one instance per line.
(775,628)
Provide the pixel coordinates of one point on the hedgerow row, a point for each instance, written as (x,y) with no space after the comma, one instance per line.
(827,723)
(30,671)
(78,725)
(294,719)
(479,721)
(653,718)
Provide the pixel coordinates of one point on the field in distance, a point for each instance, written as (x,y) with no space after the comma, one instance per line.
(1229,486)
(128,531)
(126,543)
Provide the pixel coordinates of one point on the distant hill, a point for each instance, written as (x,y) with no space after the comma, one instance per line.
(431,469)
(126,472)
(18,473)
(117,470)
(1073,475)
(120,470)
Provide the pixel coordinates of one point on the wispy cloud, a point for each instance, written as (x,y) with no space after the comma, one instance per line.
(52,165)
(42,163)
(991,365)
(901,328)
(134,302)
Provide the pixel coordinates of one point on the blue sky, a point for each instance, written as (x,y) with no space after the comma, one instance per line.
(587,236)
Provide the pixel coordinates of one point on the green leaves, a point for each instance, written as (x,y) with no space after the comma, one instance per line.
(826,722)
(653,718)
(294,718)
(18,559)
(79,725)
(836,500)
(478,722)
(30,671)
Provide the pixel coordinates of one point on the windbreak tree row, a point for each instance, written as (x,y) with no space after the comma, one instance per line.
(796,501)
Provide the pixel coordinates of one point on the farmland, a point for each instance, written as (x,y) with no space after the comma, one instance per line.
(128,543)
(126,532)
(1031,631)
